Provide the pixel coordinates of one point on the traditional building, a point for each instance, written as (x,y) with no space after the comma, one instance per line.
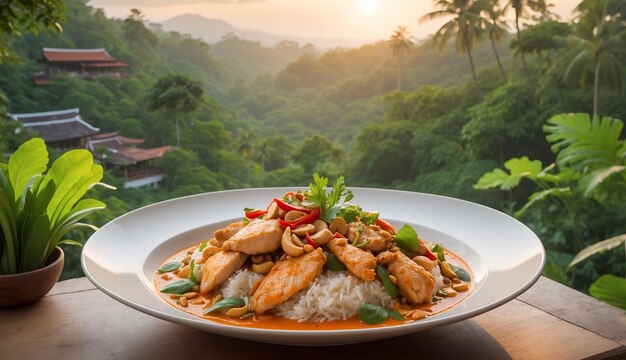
(136,166)
(88,63)
(63,129)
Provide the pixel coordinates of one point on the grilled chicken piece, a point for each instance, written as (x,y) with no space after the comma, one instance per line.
(258,237)
(227,232)
(220,267)
(377,239)
(361,263)
(415,283)
(286,278)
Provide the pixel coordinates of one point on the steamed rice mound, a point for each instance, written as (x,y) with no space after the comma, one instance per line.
(334,295)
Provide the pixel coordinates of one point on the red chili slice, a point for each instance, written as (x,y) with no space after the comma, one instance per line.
(306,219)
(288,207)
(385,226)
(255,214)
(310,241)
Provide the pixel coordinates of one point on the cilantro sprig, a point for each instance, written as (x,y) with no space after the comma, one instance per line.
(328,202)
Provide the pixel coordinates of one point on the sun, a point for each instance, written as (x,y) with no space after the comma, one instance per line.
(368,6)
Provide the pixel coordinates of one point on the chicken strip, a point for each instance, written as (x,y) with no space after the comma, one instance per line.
(415,283)
(286,279)
(376,239)
(258,237)
(360,263)
(226,233)
(220,267)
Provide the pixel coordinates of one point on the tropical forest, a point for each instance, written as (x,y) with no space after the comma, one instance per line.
(506,105)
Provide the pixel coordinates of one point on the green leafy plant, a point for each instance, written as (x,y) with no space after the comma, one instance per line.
(591,157)
(37,210)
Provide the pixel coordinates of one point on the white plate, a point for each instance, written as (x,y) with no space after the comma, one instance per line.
(505,256)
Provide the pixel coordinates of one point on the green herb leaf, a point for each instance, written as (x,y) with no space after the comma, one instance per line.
(225,304)
(349,212)
(247,209)
(440,253)
(461,273)
(372,314)
(202,245)
(178,287)
(327,201)
(442,293)
(406,239)
(192,274)
(370,218)
(390,288)
(169,267)
(394,315)
(333,263)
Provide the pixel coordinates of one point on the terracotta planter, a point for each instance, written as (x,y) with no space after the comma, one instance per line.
(29,287)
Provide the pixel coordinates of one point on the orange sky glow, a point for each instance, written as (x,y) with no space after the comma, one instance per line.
(354,19)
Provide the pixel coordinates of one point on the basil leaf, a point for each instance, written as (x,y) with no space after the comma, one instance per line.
(169,267)
(440,253)
(406,239)
(203,245)
(178,287)
(394,315)
(390,288)
(230,302)
(372,314)
(370,219)
(442,293)
(192,274)
(350,212)
(247,209)
(333,263)
(461,273)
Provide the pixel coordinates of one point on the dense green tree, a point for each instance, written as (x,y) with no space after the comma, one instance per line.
(465,27)
(176,94)
(22,16)
(136,32)
(522,8)
(543,39)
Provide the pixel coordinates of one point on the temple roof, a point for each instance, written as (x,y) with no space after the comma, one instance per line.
(57,125)
(111,140)
(130,155)
(68,55)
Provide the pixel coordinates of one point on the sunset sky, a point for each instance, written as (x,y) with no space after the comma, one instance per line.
(356,19)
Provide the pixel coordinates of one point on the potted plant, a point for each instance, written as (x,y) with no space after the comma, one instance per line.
(37,210)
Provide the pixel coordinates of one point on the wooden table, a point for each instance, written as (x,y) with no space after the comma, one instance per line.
(78,321)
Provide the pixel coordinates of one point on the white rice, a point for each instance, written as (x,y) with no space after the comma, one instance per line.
(334,295)
(438,279)
(240,283)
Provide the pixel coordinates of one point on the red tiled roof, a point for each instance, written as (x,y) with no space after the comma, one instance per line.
(78,55)
(128,155)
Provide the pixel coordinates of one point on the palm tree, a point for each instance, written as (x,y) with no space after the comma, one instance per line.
(400,43)
(521,8)
(597,43)
(496,27)
(465,27)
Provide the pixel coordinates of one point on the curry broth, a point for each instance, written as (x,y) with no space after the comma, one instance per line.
(267,321)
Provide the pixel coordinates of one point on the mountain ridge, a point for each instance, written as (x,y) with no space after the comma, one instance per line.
(212,31)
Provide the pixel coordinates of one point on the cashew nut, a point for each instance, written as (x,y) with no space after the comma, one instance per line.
(303,230)
(237,312)
(293,215)
(262,268)
(319,225)
(272,212)
(339,225)
(296,240)
(424,262)
(322,237)
(288,246)
(447,271)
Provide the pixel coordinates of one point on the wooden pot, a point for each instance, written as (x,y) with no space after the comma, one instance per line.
(29,287)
